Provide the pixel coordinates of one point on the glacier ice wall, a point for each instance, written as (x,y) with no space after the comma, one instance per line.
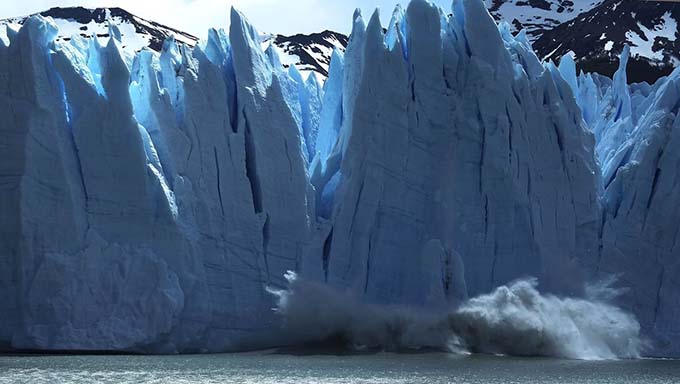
(460,153)
(150,204)
(640,192)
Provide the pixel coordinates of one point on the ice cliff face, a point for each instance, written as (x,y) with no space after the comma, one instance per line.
(150,205)
(462,151)
(637,135)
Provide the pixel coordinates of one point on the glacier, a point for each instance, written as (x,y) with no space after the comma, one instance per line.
(154,203)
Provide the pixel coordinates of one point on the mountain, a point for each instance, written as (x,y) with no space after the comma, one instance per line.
(137,33)
(595,30)
(168,205)
(309,53)
(538,16)
(597,38)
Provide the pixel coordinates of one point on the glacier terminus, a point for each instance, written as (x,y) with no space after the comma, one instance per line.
(168,202)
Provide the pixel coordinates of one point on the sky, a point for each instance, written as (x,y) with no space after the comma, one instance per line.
(196,16)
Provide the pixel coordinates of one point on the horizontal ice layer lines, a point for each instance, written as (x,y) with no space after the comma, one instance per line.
(152,205)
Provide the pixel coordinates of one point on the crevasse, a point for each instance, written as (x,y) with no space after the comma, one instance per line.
(149,205)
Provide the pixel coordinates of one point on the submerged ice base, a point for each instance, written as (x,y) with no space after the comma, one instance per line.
(150,205)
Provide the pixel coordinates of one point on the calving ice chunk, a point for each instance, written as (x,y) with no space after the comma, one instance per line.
(514,319)
(440,161)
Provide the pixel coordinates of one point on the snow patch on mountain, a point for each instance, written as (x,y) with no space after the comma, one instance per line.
(87,23)
(648,27)
(537,16)
(309,53)
(642,42)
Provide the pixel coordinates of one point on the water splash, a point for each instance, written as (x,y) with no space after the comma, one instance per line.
(515,319)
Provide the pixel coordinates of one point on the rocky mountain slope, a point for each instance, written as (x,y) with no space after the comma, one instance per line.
(597,38)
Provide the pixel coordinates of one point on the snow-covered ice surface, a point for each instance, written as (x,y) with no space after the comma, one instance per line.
(154,203)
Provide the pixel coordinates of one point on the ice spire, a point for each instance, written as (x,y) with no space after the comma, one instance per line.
(620,90)
(567,69)
(396,30)
(252,64)
(354,63)
(114,32)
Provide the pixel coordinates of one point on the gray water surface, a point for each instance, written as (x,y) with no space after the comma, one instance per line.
(270,367)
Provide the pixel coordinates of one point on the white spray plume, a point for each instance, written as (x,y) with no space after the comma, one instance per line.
(515,319)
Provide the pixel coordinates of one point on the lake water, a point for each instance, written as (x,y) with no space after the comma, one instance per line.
(272,367)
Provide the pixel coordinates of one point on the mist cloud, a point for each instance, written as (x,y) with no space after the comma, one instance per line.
(515,319)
